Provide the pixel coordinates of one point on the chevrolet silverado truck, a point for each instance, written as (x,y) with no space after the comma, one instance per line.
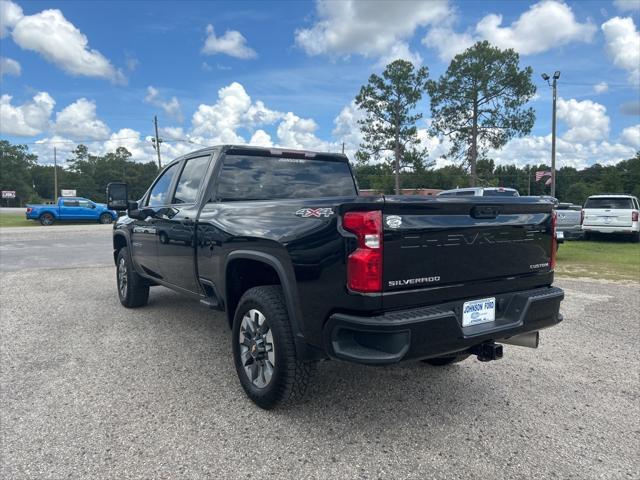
(70,209)
(307,270)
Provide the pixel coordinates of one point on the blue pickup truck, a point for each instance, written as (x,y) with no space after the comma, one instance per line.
(75,209)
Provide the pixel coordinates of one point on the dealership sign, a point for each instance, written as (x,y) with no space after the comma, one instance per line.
(68,193)
(8,194)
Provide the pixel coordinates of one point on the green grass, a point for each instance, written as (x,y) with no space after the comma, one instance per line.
(16,220)
(615,259)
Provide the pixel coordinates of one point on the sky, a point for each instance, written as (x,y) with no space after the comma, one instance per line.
(286,73)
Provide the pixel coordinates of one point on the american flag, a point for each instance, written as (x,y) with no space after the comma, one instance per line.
(541,174)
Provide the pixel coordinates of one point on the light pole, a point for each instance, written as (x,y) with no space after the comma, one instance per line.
(554,86)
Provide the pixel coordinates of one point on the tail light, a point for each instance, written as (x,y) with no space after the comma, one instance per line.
(581,217)
(634,216)
(364,265)
(29,209)
(554,240)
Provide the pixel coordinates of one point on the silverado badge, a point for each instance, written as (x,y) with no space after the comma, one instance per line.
(394,221)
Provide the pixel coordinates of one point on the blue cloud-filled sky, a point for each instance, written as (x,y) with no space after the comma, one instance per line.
(286,73)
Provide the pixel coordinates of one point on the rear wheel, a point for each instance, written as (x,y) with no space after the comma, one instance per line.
(587,236)
(105,218)
(442,361)
(133,290)
(264,352)
(47,219)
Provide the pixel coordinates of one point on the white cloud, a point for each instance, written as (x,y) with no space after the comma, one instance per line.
(535,150)
(627,5)
(587,120)
(28,119)
(10,14)
(232,43)
(369,28)
(623,45)
(601,87)
(347,129)
(631,136)
(546,25)
(233,110)
(171,107)
(447,41)
(8,66)
(261,138)
(79,121)
(51,35)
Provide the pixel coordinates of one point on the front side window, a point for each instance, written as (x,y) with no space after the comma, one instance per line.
(160,192)
(84,203)
(249,177)
(190,180)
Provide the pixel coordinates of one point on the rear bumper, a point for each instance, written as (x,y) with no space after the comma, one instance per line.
(437,330)
(571,233)
(602,229)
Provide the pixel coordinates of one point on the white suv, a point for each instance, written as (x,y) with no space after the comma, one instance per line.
(611,214)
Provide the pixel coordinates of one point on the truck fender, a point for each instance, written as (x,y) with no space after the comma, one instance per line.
(287,280)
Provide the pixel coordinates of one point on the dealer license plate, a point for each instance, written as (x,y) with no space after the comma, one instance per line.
(478,311)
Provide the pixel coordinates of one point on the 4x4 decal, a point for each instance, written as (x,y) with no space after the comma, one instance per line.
(314,212)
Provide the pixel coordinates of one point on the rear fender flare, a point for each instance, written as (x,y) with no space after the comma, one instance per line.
(287,280)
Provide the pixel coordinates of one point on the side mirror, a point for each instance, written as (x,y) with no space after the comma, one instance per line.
(117,196)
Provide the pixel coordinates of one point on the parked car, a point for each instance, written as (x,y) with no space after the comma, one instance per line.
(480,192)
(611,214)
(308,270)
(570,221)
(76,209)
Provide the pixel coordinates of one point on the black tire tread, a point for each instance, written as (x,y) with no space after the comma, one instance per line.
(138,287)
(297,375)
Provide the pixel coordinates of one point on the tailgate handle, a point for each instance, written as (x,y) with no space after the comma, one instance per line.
(483,211)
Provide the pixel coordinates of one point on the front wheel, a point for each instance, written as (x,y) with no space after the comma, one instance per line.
(133,290)
(635,237)
(264,352)
(105,218)
(46,219)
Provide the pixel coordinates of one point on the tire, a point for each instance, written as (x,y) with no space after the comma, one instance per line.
(443,361)
(635,237)
(587,236)
(264,352)
(133,290)
(105,219)
(47,219)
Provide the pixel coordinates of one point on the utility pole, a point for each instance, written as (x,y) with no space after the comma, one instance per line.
(554,86)
(156,142)
(55,176)
(343,148)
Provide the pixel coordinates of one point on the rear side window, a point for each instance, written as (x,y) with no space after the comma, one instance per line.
(190,180)
(613,203)
(160,192)
(248,177)
(70,203)
(500,193)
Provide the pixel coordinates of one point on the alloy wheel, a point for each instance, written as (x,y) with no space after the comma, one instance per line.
(257,350)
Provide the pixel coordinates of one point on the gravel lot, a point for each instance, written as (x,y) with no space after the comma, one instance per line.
(91,390)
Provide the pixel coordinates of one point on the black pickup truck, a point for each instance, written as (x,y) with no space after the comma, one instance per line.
(308,270)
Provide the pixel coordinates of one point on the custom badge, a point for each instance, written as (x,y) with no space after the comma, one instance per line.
(314,212)
(393,221)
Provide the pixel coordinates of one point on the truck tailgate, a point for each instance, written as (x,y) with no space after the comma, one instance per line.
(447,242)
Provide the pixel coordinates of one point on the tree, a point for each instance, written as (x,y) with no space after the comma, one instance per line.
(389,127)
(478,102)
(15,170)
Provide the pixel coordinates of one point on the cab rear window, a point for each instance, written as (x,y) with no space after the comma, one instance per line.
(250,177)
(612,203)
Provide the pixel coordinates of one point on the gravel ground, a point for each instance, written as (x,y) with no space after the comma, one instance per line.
(91,390)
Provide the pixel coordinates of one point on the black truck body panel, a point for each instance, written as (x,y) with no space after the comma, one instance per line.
(476,247)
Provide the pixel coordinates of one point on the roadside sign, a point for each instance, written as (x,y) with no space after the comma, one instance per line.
(68,193)
(8,194)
